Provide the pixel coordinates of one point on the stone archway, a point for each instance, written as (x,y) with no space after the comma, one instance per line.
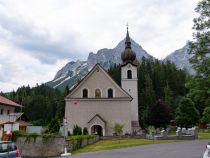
(97,130)
(97,125)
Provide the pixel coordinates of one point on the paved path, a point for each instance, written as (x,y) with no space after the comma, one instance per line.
(189,149)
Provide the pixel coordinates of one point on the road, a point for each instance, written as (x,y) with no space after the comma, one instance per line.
(187,149)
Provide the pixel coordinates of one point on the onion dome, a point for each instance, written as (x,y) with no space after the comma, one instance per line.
(128,55)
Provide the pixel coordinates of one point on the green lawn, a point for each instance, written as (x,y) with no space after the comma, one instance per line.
(114,144)
(203,135)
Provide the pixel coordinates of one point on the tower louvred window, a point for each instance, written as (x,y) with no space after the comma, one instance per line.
(129,74)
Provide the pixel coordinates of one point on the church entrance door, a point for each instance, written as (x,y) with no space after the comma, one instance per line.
(97,130)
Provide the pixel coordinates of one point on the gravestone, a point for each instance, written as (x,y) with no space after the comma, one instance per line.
(179,133)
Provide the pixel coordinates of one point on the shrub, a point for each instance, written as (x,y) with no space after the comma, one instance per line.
(76,137)
(23,134)
(69,133)
(85,131)
(18,133)
(77,130)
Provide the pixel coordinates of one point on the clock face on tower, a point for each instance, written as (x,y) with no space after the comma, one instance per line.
(129,65)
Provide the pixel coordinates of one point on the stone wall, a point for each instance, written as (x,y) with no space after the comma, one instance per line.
(76,144)
(49,147)
(40,147)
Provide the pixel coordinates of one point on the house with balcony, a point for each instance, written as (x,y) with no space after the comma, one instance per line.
(8,115)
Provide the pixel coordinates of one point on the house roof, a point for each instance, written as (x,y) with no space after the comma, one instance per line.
(89,74)
(21,123)
(6,101)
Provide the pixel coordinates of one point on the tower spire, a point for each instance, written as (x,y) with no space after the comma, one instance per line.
(127,39)
(128,55)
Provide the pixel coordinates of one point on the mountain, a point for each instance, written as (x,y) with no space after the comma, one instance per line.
(74,71)
(107,57)
(181,58)
(71,73)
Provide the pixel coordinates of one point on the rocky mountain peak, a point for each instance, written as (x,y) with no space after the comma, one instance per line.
(181,58)
(75,70)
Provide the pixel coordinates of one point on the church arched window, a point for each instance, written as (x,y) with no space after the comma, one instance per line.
(129,74)
(85,93)
(110,93)
(98,93)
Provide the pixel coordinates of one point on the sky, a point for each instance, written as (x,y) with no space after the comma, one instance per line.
(38,37)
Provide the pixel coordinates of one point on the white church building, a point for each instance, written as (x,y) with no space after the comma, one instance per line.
(97,102)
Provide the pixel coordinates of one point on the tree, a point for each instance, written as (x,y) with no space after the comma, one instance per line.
(37,100)
(156,79)
(54,126)
(199,85)
(186,114)
(115,72)
(206,115)
(118,128)
(149,91)
(168,97)
(159,114)
(149,99)
(60,110)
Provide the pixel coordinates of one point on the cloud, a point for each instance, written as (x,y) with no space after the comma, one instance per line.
(38,42)
(38,37)
(21,69)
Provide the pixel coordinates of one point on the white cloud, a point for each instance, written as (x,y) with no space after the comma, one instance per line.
(37,37)
(20,69)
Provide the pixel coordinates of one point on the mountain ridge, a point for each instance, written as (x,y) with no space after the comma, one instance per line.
(181,59)
(76,70)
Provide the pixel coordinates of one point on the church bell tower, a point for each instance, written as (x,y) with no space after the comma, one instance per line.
(129,80)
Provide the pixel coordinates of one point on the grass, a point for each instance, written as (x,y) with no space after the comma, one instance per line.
(114,144)
(204,135)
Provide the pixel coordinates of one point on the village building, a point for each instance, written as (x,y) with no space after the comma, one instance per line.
(7,107)
(98,103)
(9,119)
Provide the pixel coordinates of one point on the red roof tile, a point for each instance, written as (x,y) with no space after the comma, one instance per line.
(6,101)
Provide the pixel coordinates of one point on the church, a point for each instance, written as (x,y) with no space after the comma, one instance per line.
(98,103)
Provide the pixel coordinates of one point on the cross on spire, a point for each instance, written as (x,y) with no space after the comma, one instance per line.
(127,39)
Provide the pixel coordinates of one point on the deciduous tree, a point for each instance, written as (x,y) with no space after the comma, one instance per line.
(186,114)
(199,84)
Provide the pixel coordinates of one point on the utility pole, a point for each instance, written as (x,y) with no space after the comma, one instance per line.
(65,154)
